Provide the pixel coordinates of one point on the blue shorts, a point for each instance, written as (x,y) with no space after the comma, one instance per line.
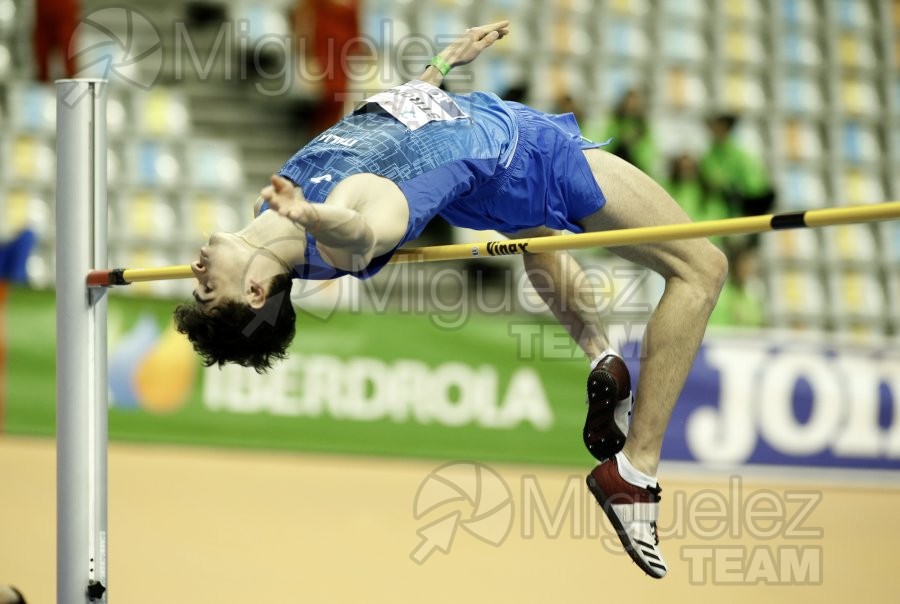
(547,183)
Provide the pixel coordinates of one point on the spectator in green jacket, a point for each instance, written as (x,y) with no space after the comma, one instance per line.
(741,301)
(630,132)
(689,189)
(734,177)
(687,186)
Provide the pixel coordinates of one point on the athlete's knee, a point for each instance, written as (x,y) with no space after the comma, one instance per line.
(708,270)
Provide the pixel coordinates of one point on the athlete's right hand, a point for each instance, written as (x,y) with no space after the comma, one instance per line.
(469,45)
(288,200)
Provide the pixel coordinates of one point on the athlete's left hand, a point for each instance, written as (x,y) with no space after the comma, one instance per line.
(288,200)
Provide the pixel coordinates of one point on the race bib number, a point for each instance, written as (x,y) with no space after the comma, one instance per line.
(416,103)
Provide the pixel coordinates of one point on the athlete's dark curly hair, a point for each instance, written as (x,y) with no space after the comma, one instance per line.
(233,332)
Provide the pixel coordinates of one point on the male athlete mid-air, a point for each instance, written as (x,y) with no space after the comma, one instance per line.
(351,197)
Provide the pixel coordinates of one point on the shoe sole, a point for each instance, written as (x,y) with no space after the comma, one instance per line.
(602,407)
(624,537)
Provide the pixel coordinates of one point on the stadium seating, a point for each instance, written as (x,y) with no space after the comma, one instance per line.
(797,298)
(809,77)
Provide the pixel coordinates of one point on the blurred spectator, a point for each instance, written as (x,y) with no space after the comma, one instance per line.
(741,301)
(10,595)
(689,189)
(54,24)
(566,104)
(735,178)
(518,93)
(329,29)
(630,132)
(14,257)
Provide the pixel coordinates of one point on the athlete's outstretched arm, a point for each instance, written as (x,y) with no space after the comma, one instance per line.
(364,216)
(466,48)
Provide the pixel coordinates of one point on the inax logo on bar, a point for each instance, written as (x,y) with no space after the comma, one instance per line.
(504,249)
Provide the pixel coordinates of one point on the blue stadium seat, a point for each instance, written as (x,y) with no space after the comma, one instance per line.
(497,74)
(802,94)
(801,48)
(853,14)
(152,164)
(614,81)
(802,189)
(264,20)
(385,23)
(32,107)
(680,43)
(441,20)
(625,38)
(694,10)
(798,13)
(859,143)
(213,164)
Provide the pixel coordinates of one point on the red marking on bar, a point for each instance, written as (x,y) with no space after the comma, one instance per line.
(98,278)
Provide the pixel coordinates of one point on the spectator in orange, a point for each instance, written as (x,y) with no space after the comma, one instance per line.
(54,25)
(329,28)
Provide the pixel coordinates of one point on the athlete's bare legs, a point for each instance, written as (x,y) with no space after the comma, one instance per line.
(694,270)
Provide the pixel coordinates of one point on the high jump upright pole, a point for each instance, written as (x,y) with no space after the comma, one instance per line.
(81,407)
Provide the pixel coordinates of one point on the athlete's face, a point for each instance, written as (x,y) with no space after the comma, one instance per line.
(219,270)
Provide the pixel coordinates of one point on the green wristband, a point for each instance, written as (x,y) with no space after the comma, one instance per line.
(441,65)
